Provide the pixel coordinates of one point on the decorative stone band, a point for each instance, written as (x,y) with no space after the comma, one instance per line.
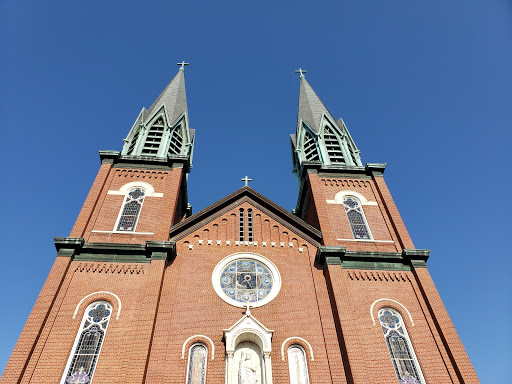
(78,249)
(406,260)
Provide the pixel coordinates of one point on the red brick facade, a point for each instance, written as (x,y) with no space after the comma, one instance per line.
(158,304)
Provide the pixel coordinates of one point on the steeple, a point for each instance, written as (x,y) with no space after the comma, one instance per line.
(319,137)
(163,129)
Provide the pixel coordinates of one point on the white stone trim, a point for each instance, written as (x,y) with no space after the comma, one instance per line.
(200,336)
(367,240)
(393,301)
(124,232)
(297,338)
(338,199)
(149,191)
(104,292)
(246,255)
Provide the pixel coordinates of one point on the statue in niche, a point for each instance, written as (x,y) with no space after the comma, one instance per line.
(247,370)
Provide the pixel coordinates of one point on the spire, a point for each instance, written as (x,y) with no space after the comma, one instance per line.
(319,137)
(173,97)
(311,107)
(163,129)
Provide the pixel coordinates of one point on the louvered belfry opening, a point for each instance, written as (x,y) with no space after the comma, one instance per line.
(310,151)
(154,138)
(333,146)
(133,142)
(176,141)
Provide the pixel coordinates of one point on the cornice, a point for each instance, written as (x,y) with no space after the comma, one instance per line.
(406,260)
(78,249)
(145,162)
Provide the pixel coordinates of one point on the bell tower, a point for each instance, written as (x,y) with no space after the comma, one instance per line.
(390,320)
(118,248)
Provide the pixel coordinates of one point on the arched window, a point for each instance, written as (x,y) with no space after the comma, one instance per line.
(196,369)
(356,218)
(400,348)
(297,364)
(130,211)
(86,349)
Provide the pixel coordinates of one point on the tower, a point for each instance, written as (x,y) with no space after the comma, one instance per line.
(144,291)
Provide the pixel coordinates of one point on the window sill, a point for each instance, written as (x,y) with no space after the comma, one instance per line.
(367,240)
(124,232)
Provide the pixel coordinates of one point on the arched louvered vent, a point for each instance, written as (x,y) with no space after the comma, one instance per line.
(133,142)
(176,141)
(310,151)
(154,138)
(333,146)
(353,155)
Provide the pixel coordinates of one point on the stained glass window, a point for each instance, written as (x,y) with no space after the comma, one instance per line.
(400,348)
(196,369)
(130,211)
(356,218)
(87,346)
(246,280)
(298,365)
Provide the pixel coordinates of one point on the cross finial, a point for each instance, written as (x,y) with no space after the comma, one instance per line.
(301,71)
(183,65)
(247,309)
(246,179)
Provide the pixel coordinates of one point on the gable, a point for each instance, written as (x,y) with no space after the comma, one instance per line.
(271,223)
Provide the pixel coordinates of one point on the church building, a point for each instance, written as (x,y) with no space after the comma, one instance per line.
(333,292)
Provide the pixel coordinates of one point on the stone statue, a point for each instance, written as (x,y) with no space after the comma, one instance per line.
(247,370)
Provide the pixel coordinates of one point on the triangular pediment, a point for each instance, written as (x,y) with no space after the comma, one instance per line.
(243,328)
(254,199)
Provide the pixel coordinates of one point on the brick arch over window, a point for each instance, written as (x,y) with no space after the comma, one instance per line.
(198,339)
(100,295)
(299,341)
(386,303)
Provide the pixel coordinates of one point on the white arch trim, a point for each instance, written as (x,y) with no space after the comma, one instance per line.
(148,189)
(394,301)
(338,199)
(94,293)
(301,339)
(202,336)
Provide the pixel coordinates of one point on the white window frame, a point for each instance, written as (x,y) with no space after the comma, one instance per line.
(79,333)
(205,360)
(305,361)
(131,189)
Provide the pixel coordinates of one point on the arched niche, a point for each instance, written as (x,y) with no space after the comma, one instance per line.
(248,337)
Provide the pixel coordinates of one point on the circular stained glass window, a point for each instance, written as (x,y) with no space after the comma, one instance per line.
(246,278)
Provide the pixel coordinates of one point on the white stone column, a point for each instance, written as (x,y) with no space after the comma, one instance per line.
(268,368)
(229,368)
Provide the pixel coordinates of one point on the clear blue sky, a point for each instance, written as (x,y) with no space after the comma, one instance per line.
(424,86)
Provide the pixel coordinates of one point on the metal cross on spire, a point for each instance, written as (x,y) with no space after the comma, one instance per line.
(246,179)
(183,64)
(301,71)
